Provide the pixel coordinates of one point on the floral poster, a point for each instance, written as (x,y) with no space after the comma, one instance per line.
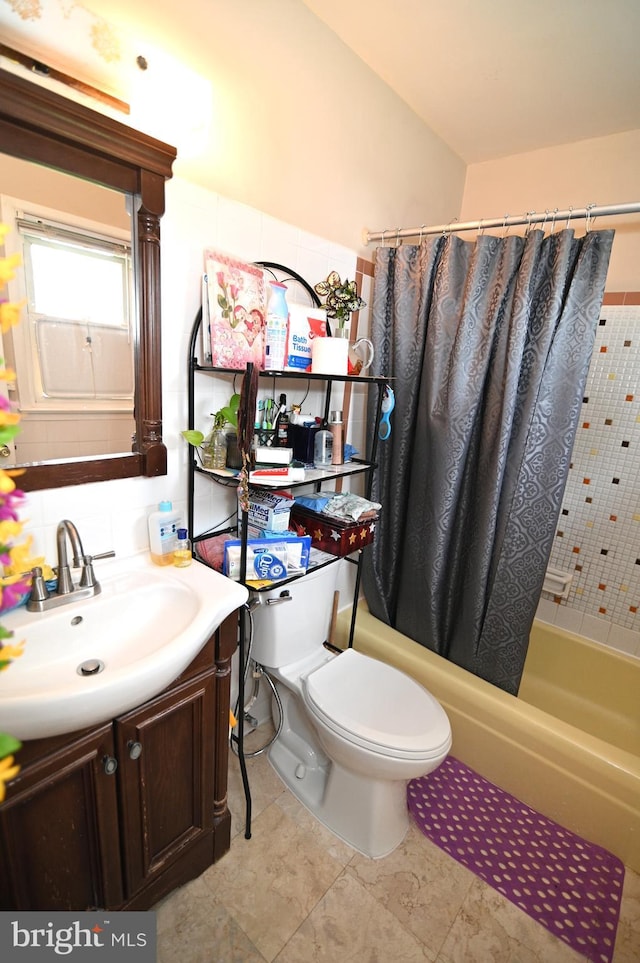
(237,311)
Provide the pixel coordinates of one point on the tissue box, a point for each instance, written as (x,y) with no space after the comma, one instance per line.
(269,510)
(336,536)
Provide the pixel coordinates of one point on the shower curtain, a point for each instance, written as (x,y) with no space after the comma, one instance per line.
(486,344)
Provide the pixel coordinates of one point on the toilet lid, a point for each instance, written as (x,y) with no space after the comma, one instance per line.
(376,705)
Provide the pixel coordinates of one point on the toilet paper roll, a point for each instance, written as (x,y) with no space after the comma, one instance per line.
(330,356)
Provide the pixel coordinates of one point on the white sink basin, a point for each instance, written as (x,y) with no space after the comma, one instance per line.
(144,629)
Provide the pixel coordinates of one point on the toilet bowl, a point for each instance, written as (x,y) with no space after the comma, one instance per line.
(354,730)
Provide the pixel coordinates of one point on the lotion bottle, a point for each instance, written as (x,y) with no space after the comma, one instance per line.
(163,533)
(336,429)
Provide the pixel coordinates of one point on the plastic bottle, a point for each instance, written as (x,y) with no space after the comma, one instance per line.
(282,424)
(182,555)
(322,448)
(163,533)
(336,429)
(276,328)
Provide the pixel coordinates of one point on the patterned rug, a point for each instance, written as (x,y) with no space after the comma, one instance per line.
(570,886)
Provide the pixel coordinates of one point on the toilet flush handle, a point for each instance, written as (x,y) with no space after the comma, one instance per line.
(283,597)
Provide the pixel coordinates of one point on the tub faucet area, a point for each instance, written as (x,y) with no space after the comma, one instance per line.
(66,590)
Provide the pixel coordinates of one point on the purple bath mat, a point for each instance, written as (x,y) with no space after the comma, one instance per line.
(570,886)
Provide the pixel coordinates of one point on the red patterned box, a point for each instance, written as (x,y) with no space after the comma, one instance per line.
(330,534)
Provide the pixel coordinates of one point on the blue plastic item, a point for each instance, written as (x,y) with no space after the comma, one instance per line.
(388,404)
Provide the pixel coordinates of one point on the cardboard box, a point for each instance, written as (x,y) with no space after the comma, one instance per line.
(332,535)
(269,510)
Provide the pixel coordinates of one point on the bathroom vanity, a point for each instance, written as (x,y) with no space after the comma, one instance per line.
(117,816)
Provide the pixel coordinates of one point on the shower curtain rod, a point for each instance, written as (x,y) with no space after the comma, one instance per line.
(532,217)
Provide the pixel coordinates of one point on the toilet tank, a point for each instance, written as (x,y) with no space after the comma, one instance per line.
(292,621)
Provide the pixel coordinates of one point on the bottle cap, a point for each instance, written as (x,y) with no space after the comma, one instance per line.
(182,533)
(165,506)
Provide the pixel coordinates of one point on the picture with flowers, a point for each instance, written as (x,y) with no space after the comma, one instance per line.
(237,311)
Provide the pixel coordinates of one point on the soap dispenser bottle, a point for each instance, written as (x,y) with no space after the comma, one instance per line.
(163,533)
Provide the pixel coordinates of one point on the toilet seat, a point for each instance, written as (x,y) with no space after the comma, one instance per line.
(376,706)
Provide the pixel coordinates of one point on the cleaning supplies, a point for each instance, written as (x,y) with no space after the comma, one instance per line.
(163,533)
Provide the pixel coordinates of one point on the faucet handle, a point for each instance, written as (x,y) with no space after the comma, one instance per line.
(39,590)
(88,578)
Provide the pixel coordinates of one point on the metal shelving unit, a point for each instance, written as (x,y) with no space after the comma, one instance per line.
(313,477)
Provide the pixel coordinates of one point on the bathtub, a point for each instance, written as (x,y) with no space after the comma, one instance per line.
(568,745)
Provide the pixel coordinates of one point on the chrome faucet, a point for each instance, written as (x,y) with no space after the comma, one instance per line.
(67,528)
(66,590)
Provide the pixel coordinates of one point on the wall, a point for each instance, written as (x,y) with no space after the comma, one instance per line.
(113,515)
(307,147)
(300,127)
(599,529)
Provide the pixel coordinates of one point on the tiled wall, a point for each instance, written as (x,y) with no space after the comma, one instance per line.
(598,535)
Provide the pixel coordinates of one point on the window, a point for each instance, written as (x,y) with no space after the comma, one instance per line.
(74,348)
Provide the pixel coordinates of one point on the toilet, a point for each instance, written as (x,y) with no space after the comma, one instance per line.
(354,730)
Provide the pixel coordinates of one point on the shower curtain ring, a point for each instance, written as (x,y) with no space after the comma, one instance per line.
(546,215)
(398,241)
(553,221)
(480,227)
(528,228)
(422,227)
(505,229)
(566,227)
(383,234)
(589,225)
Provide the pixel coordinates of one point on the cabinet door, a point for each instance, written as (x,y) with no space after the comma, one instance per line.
(166,753)
(59,838)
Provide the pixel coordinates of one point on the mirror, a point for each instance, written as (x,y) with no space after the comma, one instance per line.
(40,126)
(72,351)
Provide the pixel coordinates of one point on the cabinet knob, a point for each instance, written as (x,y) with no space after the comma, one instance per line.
(109,764)
(135,749)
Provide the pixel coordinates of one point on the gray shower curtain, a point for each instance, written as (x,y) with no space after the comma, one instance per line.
(487,345)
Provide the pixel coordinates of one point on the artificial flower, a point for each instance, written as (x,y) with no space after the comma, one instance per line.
(8,653)
(8,267)
(10,314)
(22,561)
(8,771)
(10,495)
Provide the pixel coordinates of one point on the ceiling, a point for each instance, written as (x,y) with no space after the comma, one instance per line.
(499,77)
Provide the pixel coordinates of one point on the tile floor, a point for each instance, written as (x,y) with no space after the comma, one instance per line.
(294,893)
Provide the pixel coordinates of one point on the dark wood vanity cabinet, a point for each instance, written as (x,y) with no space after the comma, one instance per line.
(117,816)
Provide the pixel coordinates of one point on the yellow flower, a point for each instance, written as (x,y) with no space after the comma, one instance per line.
(22,561)
(8,267)
(10,314)
(7,374)
(10,652)
(7,483)
(7,772)
(9,417)
(8,530)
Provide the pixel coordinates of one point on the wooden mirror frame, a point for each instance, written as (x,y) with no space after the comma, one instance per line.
(41,126)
